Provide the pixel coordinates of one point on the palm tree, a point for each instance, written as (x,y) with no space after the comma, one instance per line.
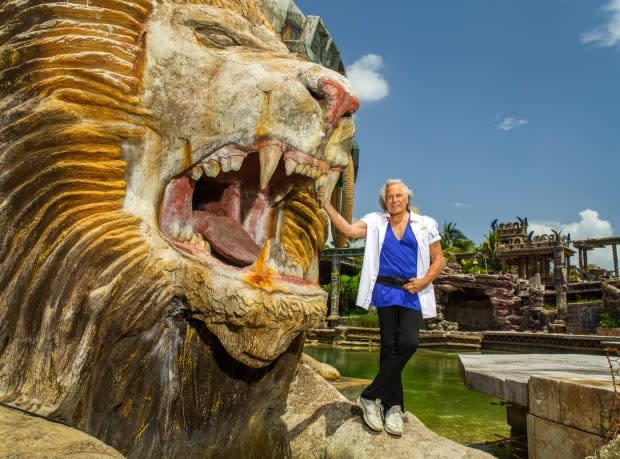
(489,249)
(450,234)
(453,241)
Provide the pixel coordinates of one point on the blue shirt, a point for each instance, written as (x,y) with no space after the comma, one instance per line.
(399,259)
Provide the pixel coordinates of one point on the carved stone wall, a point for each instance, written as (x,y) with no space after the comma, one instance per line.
(478,302)
(583,317)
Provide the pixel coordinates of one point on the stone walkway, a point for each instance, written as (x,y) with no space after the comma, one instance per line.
(567,400)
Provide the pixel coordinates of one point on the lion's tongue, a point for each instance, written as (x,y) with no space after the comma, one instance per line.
(227,237)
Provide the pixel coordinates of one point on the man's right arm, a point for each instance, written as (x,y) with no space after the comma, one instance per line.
(355,230)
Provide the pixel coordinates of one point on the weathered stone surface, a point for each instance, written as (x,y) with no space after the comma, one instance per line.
(478,302)
(326,371)
(549,440)
(568,397)
(127,127)
(324,424)
(506,376)
(610,450)
(23,436)
(583,404)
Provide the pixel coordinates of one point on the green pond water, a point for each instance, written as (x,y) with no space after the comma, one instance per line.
(435,393)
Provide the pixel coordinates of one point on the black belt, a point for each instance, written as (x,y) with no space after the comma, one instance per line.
(397,282)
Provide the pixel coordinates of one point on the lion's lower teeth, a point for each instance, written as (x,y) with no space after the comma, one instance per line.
(278,261)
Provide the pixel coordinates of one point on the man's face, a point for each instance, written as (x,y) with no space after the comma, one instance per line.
(396,199)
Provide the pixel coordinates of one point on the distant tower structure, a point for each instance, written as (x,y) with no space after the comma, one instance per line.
(511,233)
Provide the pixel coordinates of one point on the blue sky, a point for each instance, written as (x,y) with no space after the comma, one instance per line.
(488,108)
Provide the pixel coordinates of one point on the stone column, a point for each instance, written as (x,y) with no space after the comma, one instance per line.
(559,281)
(614,251)
(334,309)
(541,268)
(586,274)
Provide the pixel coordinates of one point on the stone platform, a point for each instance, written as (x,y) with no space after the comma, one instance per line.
(564,401)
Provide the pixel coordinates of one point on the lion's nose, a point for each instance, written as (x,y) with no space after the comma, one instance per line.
(340,101)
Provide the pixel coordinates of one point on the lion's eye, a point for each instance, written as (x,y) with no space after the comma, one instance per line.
(217,37)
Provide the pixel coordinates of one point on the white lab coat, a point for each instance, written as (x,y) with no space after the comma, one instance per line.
(426,232)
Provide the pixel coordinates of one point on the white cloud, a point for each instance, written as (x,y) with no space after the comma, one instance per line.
(590,226)
(608,34)
(366,79)
(509,123)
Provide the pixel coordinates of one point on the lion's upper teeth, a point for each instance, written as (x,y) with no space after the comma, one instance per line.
(226,165)
(290,165)
(230,158)
(325,184)
(300,169)
(211,168)
(236,162)
(269,157)
(196,172)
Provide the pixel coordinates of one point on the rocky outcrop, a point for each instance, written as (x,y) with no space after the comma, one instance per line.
(326,371)
(477,302)
(323,424)
(23,436)
(480,301)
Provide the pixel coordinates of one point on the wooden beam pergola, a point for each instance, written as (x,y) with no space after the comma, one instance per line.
(583,245)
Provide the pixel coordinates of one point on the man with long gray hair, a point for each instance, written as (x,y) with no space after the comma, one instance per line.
(402,257)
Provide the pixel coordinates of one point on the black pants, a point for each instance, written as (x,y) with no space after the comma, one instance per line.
(400,329)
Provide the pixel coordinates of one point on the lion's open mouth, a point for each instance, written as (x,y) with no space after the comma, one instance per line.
(270,220)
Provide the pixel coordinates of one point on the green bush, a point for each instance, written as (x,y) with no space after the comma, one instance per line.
(369,320)
(361,318)
(348,292)
(608,319)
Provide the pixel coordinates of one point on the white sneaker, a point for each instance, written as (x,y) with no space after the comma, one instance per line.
(373,413)
(394,420)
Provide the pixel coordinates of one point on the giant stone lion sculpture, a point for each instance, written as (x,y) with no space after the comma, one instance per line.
(163,165)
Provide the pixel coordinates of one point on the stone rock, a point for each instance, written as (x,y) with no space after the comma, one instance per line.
(478,302)
(610,451)
(323,424)
(23,436)
(328,372)
(493,302)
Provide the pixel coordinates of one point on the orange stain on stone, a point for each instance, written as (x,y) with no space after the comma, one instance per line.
(261,277)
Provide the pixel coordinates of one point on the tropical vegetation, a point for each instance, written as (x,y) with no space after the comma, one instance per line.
(453,241)
(608,319)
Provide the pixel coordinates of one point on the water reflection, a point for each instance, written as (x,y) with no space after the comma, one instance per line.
(434,392)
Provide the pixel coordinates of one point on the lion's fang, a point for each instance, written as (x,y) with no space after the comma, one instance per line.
(269,157)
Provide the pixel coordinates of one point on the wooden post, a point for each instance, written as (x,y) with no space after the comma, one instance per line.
(559,281)
(334,309)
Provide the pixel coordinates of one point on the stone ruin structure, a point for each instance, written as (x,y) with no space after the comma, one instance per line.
(484,302)
(528,255)
(584,245)
(164,164)
(503,302)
